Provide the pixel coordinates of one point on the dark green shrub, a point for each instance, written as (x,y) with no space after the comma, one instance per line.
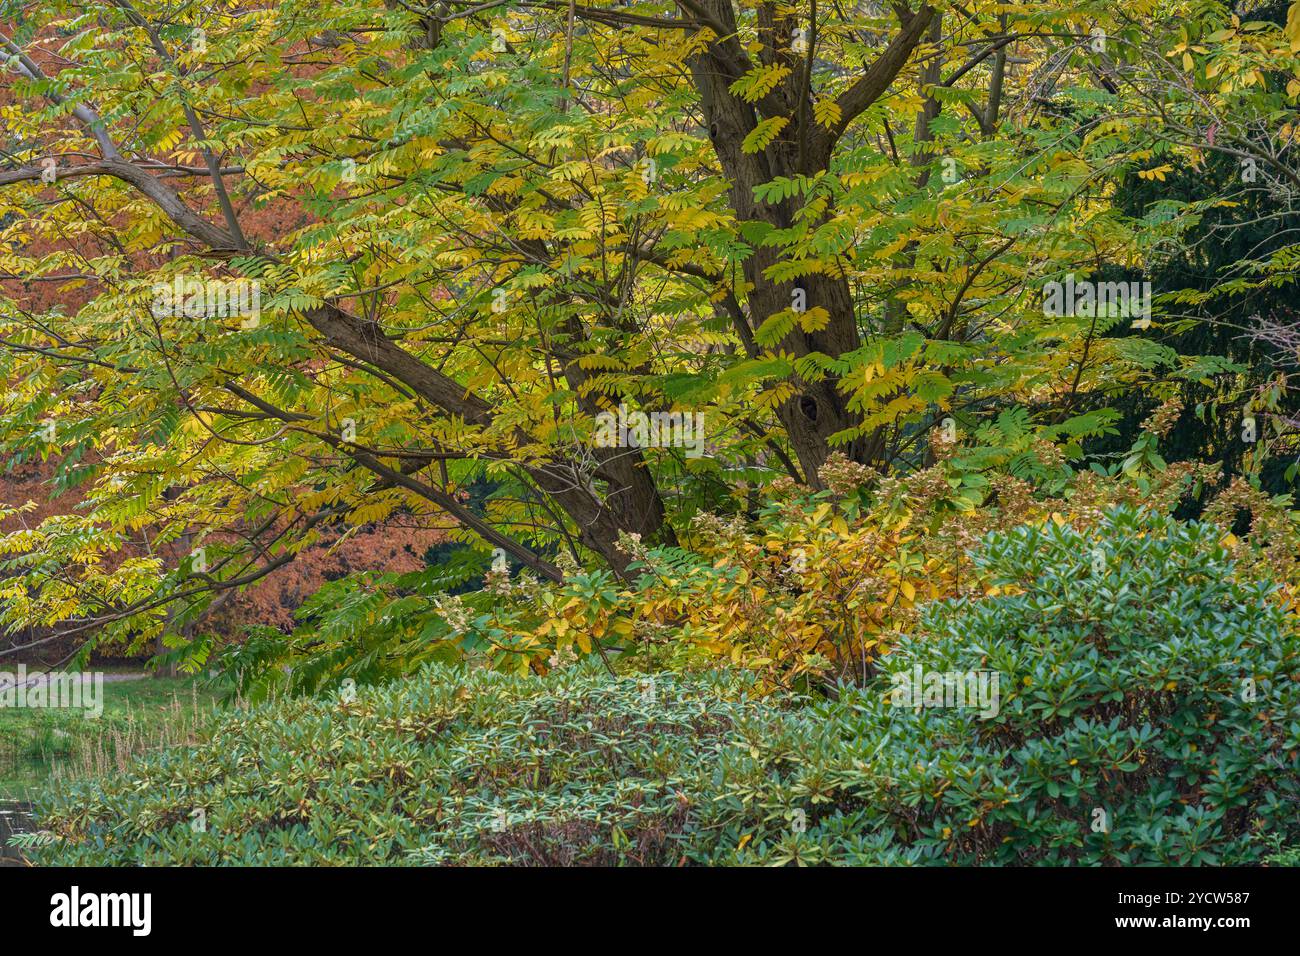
(1148,715)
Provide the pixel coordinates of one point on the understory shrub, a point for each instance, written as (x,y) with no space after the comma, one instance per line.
(1146,712)
(449,766)
(808,593)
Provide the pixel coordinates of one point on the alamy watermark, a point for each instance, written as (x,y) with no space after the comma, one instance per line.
(64,690)
(919,688)
(628,429)
(209,299)
(1084,297)
(75,908)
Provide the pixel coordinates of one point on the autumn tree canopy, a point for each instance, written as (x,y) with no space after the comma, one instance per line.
(816,229)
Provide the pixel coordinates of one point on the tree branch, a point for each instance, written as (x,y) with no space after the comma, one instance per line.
(873,84)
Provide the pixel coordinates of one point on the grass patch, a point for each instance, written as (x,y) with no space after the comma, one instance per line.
(40,747)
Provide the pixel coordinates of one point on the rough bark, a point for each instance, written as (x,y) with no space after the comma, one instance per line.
(817,410)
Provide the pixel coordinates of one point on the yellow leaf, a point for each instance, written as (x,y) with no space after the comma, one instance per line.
(815,319)
(1157,172)
(762,134)
(1293,21)
(827,112)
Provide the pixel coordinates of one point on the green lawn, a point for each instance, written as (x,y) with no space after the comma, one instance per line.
(41,746)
